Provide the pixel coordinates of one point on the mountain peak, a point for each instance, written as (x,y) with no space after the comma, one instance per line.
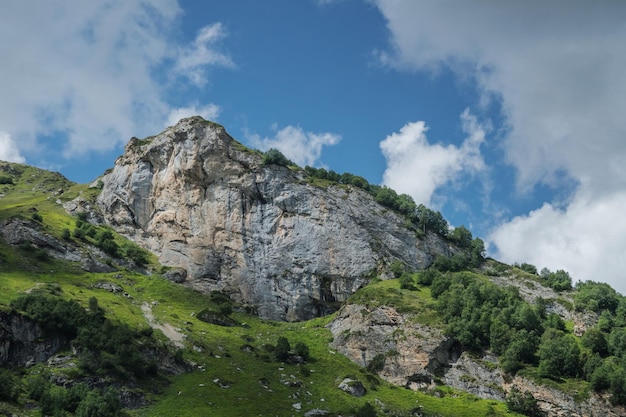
(262,233)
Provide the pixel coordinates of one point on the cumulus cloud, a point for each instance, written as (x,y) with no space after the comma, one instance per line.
(303,148)
(208,112)
(587,239)
(556,68)
(8,149)
(192,61)
(417,167)
(85,73)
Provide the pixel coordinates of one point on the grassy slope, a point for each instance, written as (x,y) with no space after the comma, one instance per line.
(256,385)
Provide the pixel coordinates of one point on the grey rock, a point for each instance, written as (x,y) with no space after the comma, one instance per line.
(263,234)
(316,412)
(352,387)
(23,342)
(177,275)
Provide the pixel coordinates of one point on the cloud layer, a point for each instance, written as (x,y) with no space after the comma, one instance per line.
(557,70)
(87,76)
(303,148)
(417,168)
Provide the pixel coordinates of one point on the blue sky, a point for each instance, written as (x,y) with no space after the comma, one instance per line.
(505,116)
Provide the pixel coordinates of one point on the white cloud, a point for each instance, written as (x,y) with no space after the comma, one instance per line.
(418,168)
(303,148)
(85,73)
(8,149)
(587,239)
(208,112)
(557,69)
(192,61)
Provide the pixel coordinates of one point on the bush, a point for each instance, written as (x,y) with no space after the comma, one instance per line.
(377,363)
(281,352)
(407,282)
(558,281)
(8,386)
(5,179)
(276,157)
(530,268)
(302,350)
(366,410)
(596,296)
(138,255)
(37,217)
(559,355)
(524,403)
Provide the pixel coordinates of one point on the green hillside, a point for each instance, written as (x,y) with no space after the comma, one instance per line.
(167,350)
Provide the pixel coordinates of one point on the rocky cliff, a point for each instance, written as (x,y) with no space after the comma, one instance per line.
(209,207)
(23,342)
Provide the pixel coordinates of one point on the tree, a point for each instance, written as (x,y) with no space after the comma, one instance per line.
(406,204)
(530,268)
(594,340)
(432,221)
(461,236)
(558,281)
(282,349)
(302,350)
(596,296)
(521,350)
(387,197)
(276,157)
(559,355)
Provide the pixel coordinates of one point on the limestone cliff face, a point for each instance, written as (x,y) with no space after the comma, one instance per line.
(204,203)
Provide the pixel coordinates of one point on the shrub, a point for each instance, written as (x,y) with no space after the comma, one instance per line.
(366,410)
(37,217)
(524,403)
(558,281)
(5,179)
(302,350)
(276,157)
(281,352)
(596,296)
(8,386)
(377,363)
(530,268)
(138,255)
(559,355)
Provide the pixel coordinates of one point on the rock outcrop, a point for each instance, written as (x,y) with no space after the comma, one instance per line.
(23,342)
(417,356)
(262,233)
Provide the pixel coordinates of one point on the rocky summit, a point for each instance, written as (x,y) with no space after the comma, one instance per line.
(222,219)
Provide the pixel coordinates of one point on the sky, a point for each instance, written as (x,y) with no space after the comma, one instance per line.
(507,116)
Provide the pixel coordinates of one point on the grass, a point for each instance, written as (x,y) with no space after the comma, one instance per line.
(226,380)
(579,389)
(419,303)
(255,385)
